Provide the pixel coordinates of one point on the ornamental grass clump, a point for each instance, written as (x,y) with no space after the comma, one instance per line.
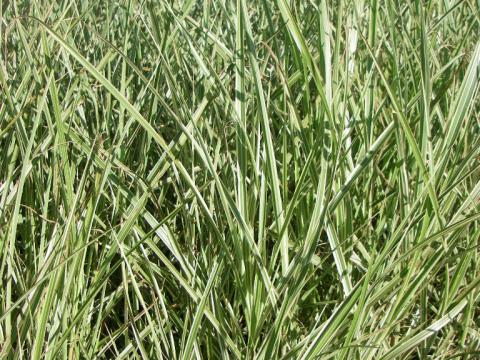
(238,179)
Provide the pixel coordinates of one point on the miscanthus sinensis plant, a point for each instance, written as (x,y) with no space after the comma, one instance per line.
(239,179)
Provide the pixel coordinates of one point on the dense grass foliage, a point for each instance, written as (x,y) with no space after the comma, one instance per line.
(224,179)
